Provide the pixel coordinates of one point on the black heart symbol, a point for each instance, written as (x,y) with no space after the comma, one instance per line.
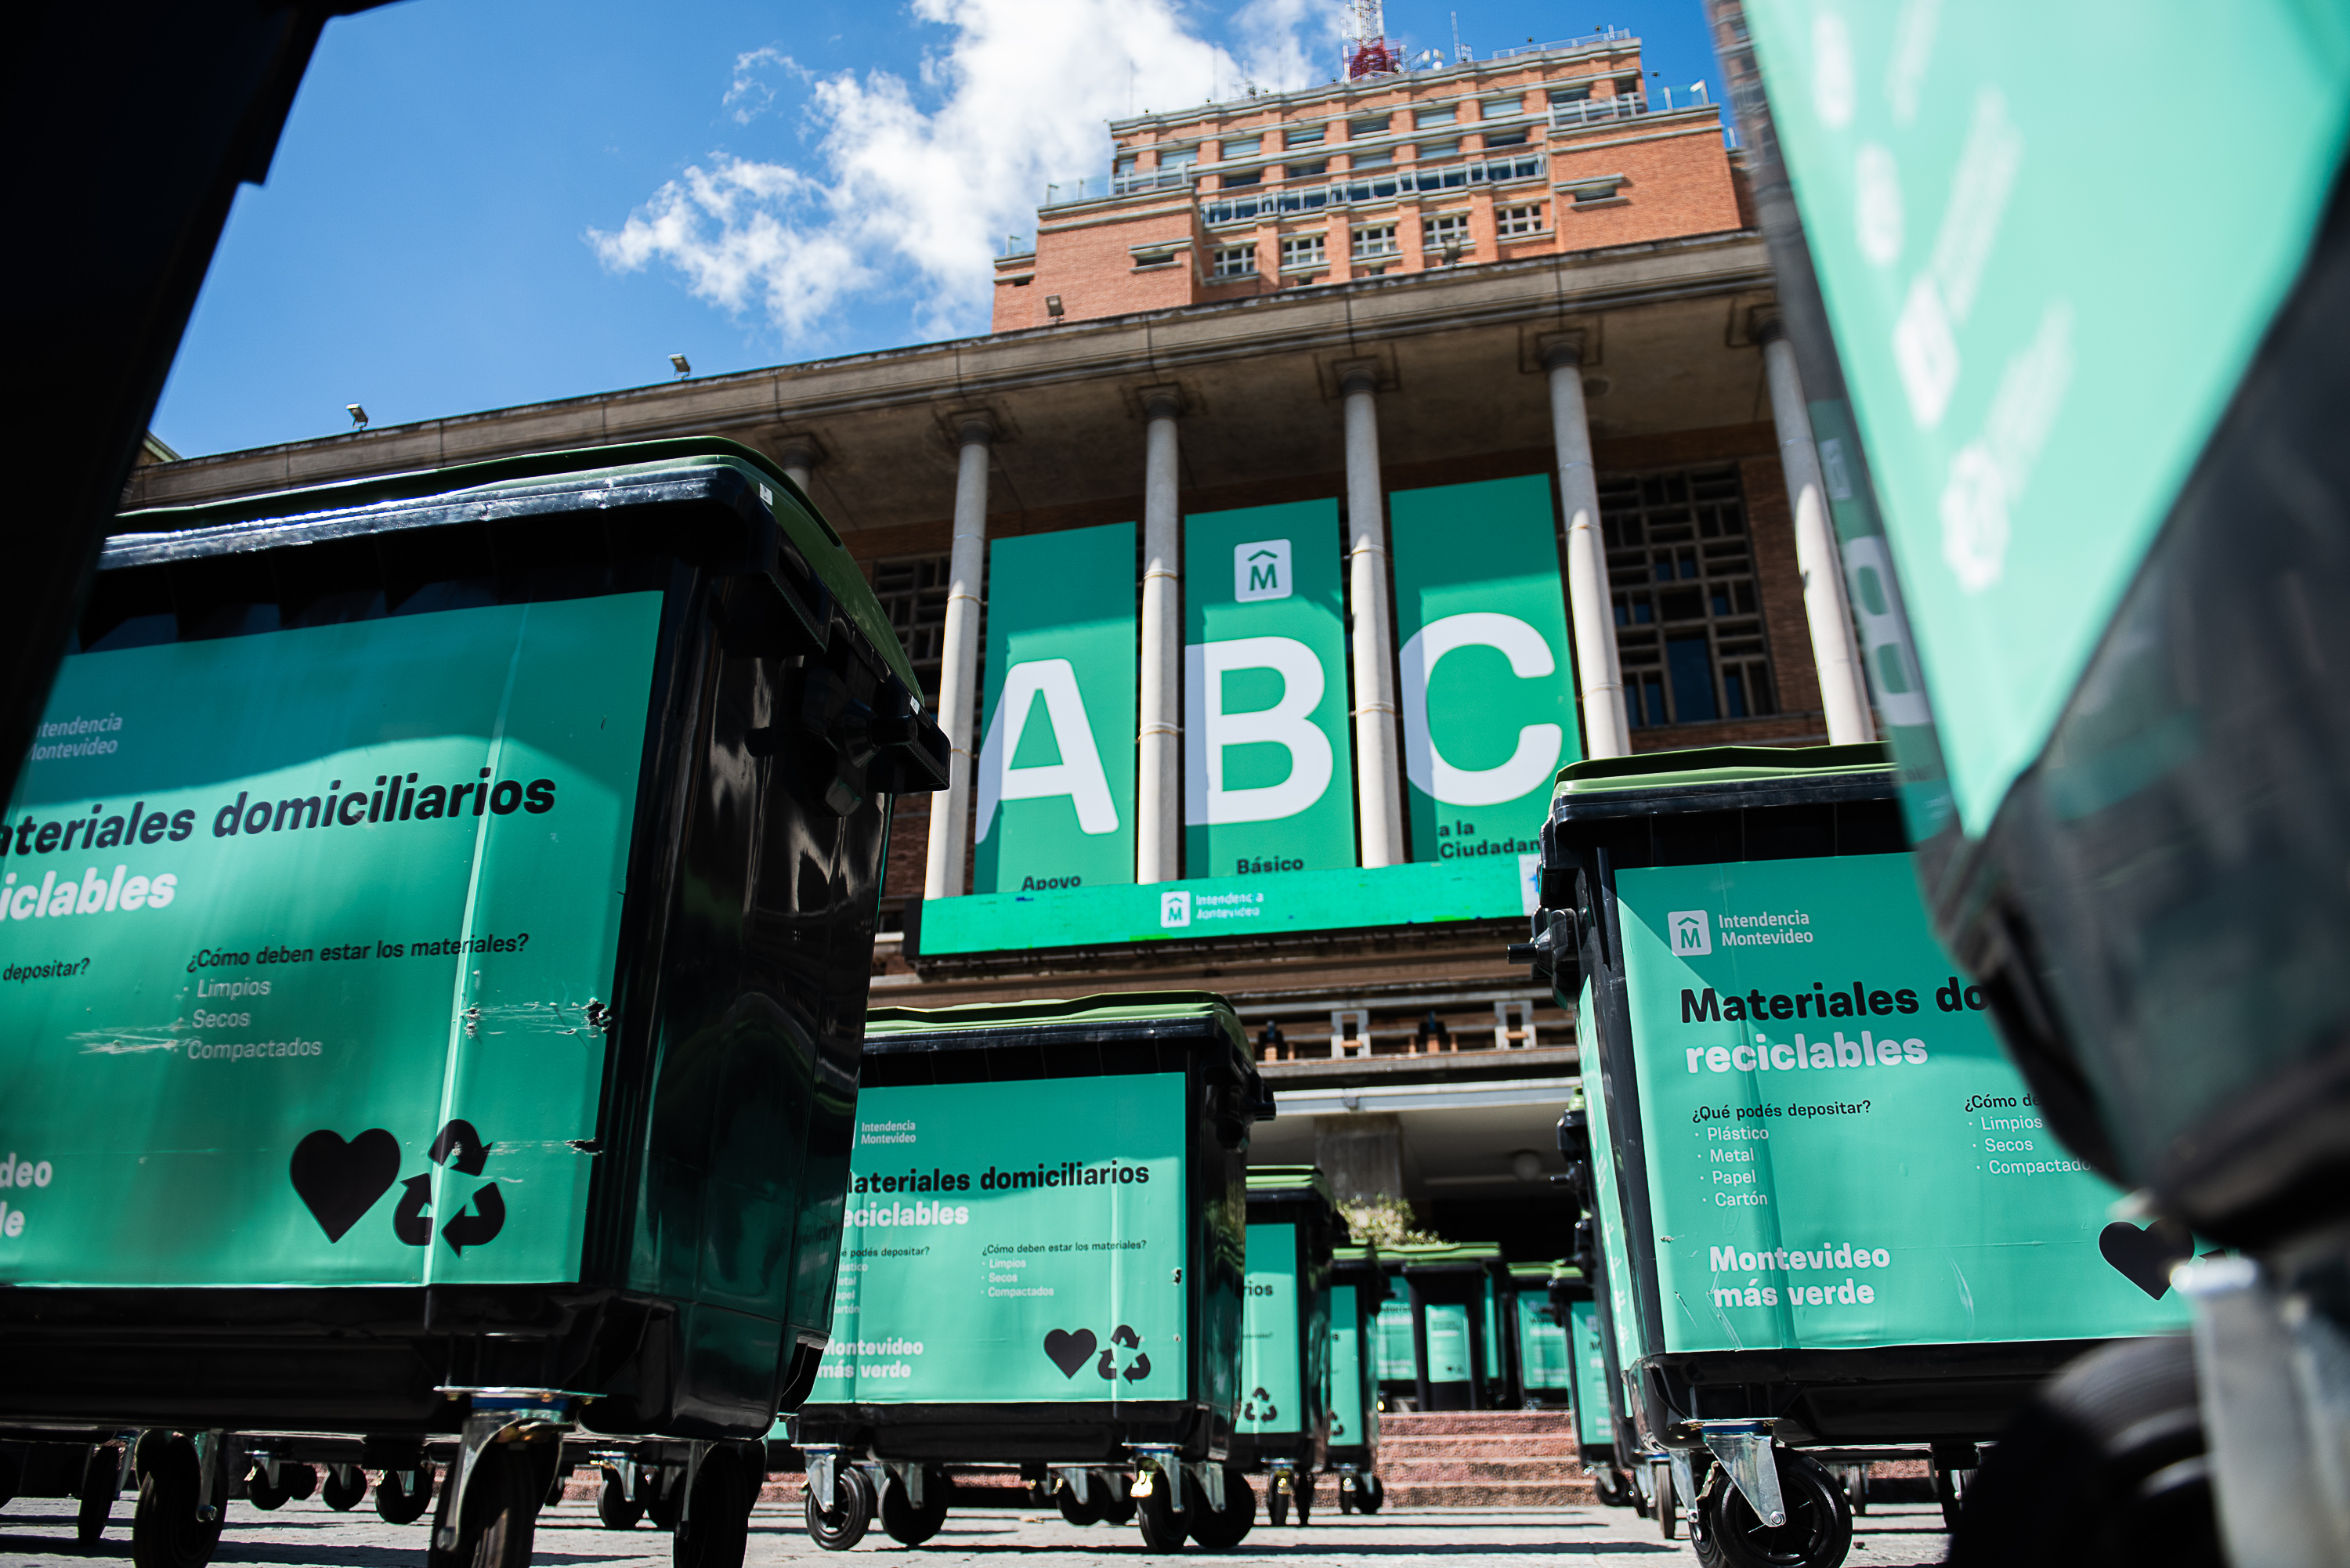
(2144,1258)
(340,1181)
(1070,1351)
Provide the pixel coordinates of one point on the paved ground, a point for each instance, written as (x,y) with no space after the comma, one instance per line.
(36,1531)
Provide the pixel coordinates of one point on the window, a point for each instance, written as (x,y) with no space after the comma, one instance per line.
(1235,261)
(1427,150)
(1627,87)
(1500,108)
(1428,118)
(1153,258)
(1375,126)
(1306,170)
(1126,165)
(1178,158)
(1519,220)
(1302,252)
(1376,243)
(1689,628)
(1309,137)
(1379,160)
(1240,146)
(1516,137)
(1593,192)
(1234,181)
(913,594)
(1448,231)
(1577,94)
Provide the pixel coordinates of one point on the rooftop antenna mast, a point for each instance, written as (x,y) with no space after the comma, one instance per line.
(1368,51)
(1459,55)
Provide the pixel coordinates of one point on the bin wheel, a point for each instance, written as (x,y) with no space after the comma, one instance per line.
(717,1527)
(1345,1494)
(259,1492)
(1372,1496)
(345,1488)
(1276,1507)
(165,1530)
(614,1507)
(910,1526)
(662,1493)
(500,1517)
(1817,1534)
(1065,1498)
(1163,1528)
(842,1525)
(99,1474)
(1304,1493)
(1221,1529)
(300,1482)
(395,1504)
(1116,1502)
(2107,1464)
(1856,1489)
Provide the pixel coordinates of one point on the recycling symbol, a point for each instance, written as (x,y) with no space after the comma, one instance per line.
(460,1148)
(1137,1368)
(1250,1410)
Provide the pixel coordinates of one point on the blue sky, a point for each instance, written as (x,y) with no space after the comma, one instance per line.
(483,202)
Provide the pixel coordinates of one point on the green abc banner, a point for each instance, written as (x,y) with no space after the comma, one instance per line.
(1012,1242)
(306,949)
(1838,1154)
(1991,243)
(1056,772)
(1542,1345)
(1268,775)
(1593,1420)
(1486,675)
(1345,1364)
(1271,1389)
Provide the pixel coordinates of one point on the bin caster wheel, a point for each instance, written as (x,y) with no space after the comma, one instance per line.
(345,1487)
(1276,1507)
(99,1474)
(1065,1498)
(165,1530)
(1304,1497)
(614,1507)
(1817,1534)
(500,1517)
(663,1492)
(844,1523)
(399,1502)
(717,1526)
(2107,1464)
(1221,1529)
(300,1482)
(1345,1494)
(263,1495)
(1371,1495)
(1162,1527)
(1116,1504)
(910,1526)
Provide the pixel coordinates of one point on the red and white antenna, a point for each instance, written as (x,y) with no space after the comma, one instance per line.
(1368,51)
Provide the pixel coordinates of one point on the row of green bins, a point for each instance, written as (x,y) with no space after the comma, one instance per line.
(2109,565)
(1581,1295)
(1358,1293)
(1044,1263)
(1840,1222)
(447,931)
(1283,1428)
(1450,1306)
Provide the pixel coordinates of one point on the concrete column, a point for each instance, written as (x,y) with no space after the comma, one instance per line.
(959,671)
(1159,826)
(1362,1153)
(1835,652)
(798,463)
(1378,778)
(1591,608)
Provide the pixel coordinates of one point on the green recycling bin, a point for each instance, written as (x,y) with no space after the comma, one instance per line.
(1046,1238)
(1538,1338)
(1830,1205)
(1450,1297)
(1580,1296)
(439,953)
(1283,1427)
(1395,1364)
(1358,1290)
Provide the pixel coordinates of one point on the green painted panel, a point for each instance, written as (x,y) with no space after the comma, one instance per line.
(283,976)
(1447,1325)
(1345,1364)
(1542,1345)
(1268,771)
(1486,674)
(1594,1419)
(1055,776)
(1998,249)
(1273,1391)
(1012,1242)
(1391,1331)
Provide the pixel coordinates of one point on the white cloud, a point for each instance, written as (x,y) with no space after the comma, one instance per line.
(911,193)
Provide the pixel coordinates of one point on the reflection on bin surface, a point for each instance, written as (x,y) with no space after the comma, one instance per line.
(1294,1226)
(1823,1194)
(1045,1234)
(451,956)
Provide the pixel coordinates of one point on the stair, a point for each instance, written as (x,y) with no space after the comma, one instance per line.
(1482,1459)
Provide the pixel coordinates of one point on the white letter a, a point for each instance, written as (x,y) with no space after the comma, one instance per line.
(1078,774)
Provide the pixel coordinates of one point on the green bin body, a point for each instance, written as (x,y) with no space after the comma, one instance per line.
(457,979)
(1450,1292)
(1046,1236)
(1294,1227)
(1865,1237)
(1538,1335)
(1359,1288)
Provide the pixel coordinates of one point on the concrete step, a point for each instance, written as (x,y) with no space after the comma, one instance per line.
(1474,1423)
(1490,1494)
(1558,1444)
(1490,1467)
